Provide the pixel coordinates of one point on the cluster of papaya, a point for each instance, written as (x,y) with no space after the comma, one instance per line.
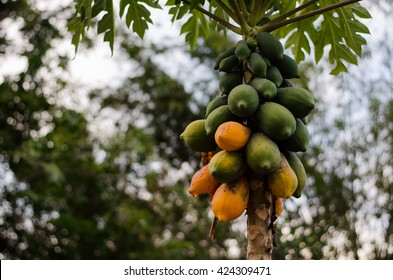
(253,129)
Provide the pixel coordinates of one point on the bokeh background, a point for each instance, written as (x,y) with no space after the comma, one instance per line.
(91,165)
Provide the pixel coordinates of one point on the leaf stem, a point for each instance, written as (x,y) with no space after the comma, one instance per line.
(292,12)
(225,23)
(227,10)
(243,9)
(242,21)
(273,26)
(255,14)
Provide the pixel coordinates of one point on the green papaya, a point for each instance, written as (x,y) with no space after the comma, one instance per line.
(288,67)
(218,116)
(243,100)
(285,83)
(228,63)
(275,121)
(229,80)
(298,167)
(270,46)
(227,167)
(266,89)
(252,43)
(297,100)
(262,154)
(215,103)
(194,135)
(257,65)
(221,56)
(242,51)
(274,75)
(298,142)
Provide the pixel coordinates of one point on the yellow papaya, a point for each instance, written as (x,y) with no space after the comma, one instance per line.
(232,136)
(282,181)
(299,170)
(202,183)
(227,167)
(230,200)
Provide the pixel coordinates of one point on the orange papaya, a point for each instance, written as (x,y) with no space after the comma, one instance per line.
(232,136)
(202,183)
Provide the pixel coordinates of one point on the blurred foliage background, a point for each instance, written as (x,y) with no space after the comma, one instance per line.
(109,180)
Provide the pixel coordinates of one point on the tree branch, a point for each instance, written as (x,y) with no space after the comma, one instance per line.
(273,26)
(228,25)
(243,23)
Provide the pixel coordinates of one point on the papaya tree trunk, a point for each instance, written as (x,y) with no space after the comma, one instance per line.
(259,231)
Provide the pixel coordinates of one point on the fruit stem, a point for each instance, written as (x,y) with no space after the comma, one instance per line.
(225,23)
(273,26)
(212,231)
(242,21)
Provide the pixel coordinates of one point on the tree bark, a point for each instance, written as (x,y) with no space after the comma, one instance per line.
(259,231)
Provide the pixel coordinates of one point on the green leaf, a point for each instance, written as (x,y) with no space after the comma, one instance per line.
(195,26)
(106,24)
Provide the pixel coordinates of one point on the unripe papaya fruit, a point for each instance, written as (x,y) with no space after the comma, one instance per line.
(227,167)
(242,51)
(229,80)
(202,183)
(257,65)
(230,200)
(274,75)
(266,89)
(282,181)
(243,100)
(285,83)
(270,46)
(288,67)
(228,63)
(297,100)
(252,43)
(298,167)
(196,138)
(232,136)
(216,117)
(262,154)
(275,121)
(298,142)
(221,56)
(215,103)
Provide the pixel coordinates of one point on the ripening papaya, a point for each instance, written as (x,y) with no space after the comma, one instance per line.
(229,80)
(215,103)
(242,51)
(216,117)
(230,200)
(288,67)
(262,154)
(227,167)
(243,100)
(232,136)
(275,121)
(297,100)
(266,89)
(194,135)
(274,75)
(228,63)
(282,181)
(270,46)
(203,183)
(298,142)
(298,167)
(257,65)
(221,56)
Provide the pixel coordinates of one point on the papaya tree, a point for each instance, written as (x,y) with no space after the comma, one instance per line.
(254,128)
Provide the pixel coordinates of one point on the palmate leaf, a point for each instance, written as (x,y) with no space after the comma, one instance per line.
(195,27)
